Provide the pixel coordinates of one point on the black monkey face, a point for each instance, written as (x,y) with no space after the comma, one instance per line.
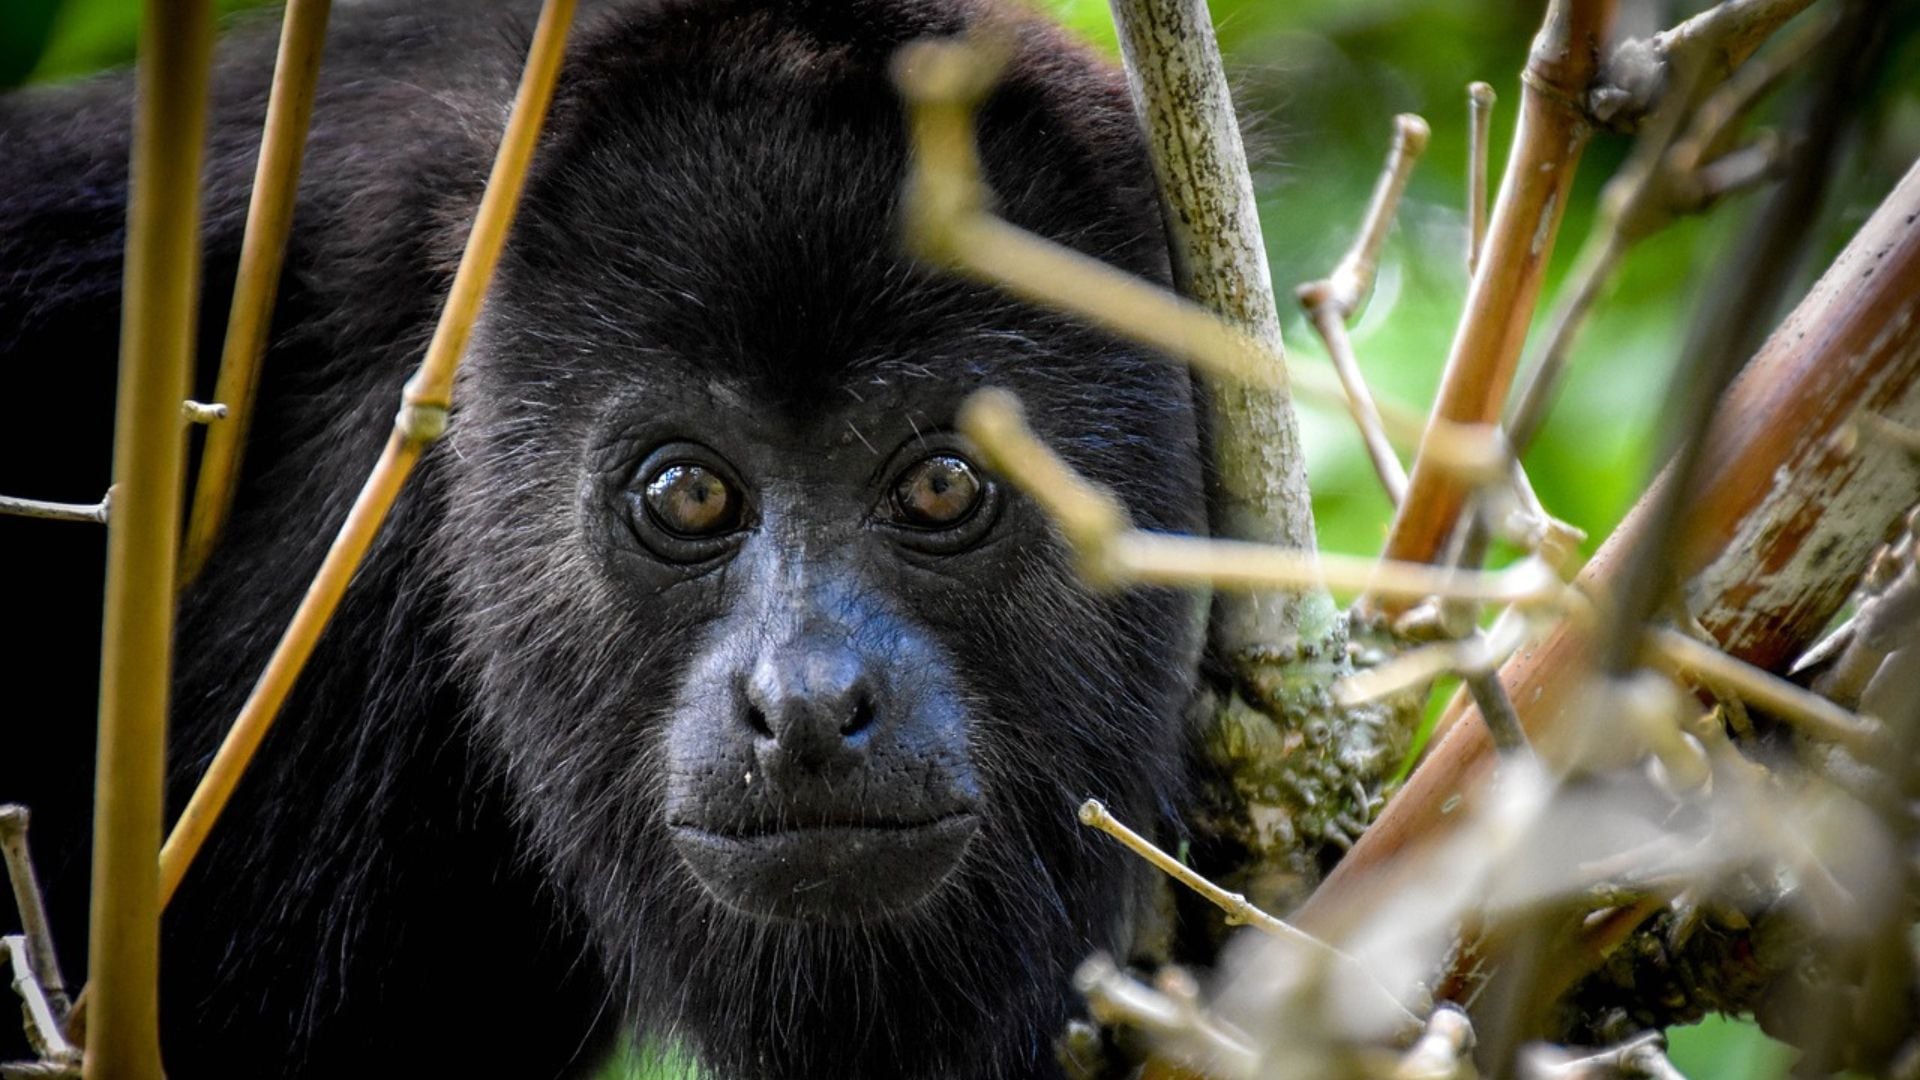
(817,763)
(783,682)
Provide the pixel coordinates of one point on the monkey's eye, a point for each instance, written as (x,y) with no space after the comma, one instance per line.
(690,500)
(939,492)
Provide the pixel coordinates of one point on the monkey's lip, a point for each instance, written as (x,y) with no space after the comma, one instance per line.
(827,873)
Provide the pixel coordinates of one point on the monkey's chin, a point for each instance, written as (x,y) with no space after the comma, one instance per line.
(826,875)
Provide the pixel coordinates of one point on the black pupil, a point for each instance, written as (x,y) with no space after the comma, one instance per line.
(937,492)
(690,500)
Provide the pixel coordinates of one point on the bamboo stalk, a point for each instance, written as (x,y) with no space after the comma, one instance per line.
(1548,143)
(422,419)
(1785,518)
(143,537)
(263,248)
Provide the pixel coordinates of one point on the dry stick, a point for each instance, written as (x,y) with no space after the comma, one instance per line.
(1239,910)
(1329,303)
(33,911)
(1258,486)
(57,511)
(1480,102)
(947,224)
(1548,142)
(1814,715)
(263,247)
(161,294)
(1782,523)
(1112,552)
(422,418)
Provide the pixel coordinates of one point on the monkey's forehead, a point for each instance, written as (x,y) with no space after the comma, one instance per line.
(726,178)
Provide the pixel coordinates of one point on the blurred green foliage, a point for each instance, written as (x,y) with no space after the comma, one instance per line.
(1318,83)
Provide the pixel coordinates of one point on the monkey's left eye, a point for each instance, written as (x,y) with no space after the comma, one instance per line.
(939,492)
(690,500)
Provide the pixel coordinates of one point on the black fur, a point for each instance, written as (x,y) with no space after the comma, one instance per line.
(454,841)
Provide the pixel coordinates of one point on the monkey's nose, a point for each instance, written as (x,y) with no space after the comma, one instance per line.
(812,705)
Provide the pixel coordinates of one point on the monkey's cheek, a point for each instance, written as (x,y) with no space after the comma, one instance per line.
(831,875)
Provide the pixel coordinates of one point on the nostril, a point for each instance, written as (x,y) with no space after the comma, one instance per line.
(757,720)
(861,720)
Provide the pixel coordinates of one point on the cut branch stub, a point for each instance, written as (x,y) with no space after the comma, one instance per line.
(1784,524)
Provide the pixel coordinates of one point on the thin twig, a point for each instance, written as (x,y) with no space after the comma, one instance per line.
(28,901)
(1814,715)
(1715,42)
(421,420)
(1359,399)
(97,513)
(263,247)
(1112,552)
(1329,303)
(1724,331)
(1480,102)
(1238,909)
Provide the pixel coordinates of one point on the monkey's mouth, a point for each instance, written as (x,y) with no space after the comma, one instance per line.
(827,873)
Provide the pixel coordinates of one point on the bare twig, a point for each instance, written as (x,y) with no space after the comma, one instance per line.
(1718,340)
(421,420)
(1331,302)
(1443,1051)
(263,247)
(1888,618)
(1112,552)
(1239,911)
(32,908)
(1680,165)
(43,1026)
(1641,1058)
(1116,998)
(97,513)
(1480,102)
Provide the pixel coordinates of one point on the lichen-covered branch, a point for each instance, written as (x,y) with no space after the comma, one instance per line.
(1220,260)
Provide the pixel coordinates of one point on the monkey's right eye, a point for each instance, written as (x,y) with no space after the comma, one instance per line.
(690,500)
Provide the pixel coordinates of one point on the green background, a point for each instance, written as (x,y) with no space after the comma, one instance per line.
(1318,83)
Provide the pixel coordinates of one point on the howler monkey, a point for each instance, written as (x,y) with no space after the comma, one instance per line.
(703,685)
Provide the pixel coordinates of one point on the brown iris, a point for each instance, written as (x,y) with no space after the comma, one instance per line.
(937,493)
(692,500)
